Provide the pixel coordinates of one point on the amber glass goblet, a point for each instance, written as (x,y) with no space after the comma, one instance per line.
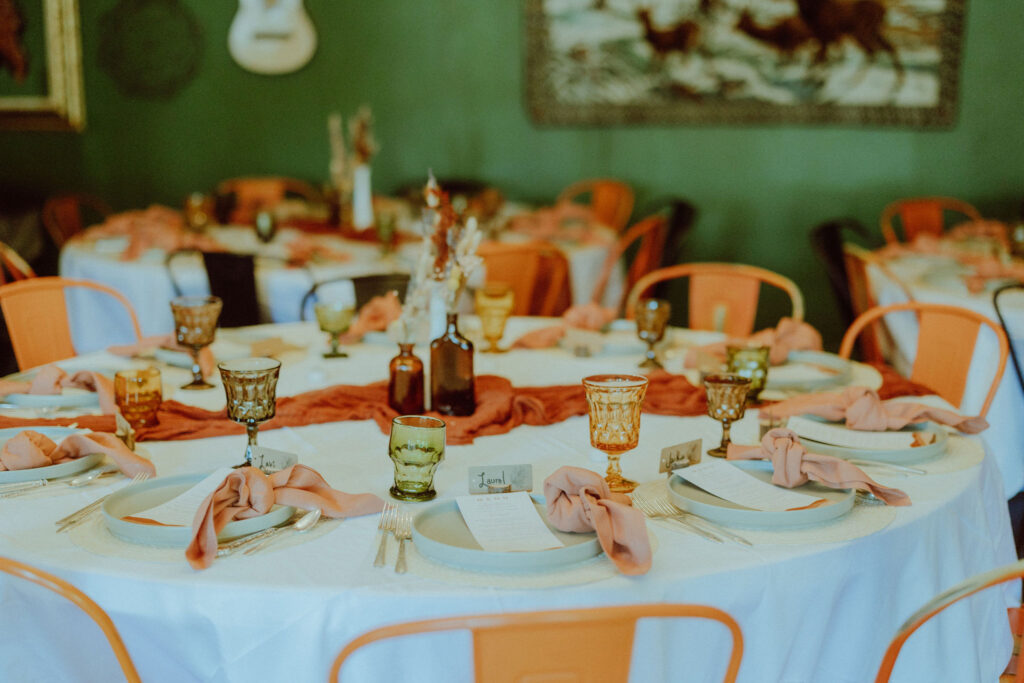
(138,394)
(651,321)
(335,317)
(727,402)
(750,362)
(494,304)
(199,209)
(250,386)
(195,325)
(613,403)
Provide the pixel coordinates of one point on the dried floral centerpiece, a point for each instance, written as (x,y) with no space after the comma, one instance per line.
(364,147)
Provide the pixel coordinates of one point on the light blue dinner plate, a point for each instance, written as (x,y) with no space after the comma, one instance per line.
(901,456)
(66,469)
(782,378)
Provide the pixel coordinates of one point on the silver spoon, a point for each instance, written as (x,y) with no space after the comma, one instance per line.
(303,523)
(92,475)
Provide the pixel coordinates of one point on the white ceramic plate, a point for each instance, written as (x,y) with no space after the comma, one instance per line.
(135,498)
(808,371)
(66,469)
(698,501)
(902,456)
(441,535)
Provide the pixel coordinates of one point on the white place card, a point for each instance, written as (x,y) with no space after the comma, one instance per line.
(506,522)
(482,478)
(270,460)
(730,483)
(837,435)
(181,510)
(681,455)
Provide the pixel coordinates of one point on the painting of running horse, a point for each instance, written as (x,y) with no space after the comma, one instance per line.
(852,62)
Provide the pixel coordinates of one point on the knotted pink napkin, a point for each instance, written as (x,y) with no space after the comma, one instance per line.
(794,466)
(50,379)
(788,335)
(579,501)
(248,492)
(31,449)
(207,361)
(862,409)
(375,316)
(588,316)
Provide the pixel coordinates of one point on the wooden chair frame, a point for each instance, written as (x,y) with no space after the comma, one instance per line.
(934,319)
(530,258)
(941,204)
(1006,330)
(11,263)
(648,257)
(617,217)
(52,219)
(40,302)
(502,643)
(718,271)
(83,601)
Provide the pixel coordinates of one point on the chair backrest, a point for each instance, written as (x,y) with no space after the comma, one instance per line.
(1002,322)
(922,216)
(610,200)
(37,318)
(564,645)
(876,344)
(12,266)
(946,338)
(537,272)
(95,612)
(940,602)
(651,232)
(827,242)
(723,296)
(232,277)
(366,287)
(63,215)
(252,195)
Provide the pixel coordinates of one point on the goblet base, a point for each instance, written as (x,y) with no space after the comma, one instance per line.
(196,385)
(415,497)
(618,483)
(651,364)
(335,354)
(494,348)
(717,452)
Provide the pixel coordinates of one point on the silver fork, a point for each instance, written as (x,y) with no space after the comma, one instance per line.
(79,516)
(669,509)
(646,506)
(403,532)
(385,525)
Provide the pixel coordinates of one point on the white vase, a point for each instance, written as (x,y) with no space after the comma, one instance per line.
(438,312)
(362,198)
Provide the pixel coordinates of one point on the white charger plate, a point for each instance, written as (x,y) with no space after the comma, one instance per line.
(65,469)
(68,398)
(792,376)
(900,456)
(441,535)
(135,498)
(709,506)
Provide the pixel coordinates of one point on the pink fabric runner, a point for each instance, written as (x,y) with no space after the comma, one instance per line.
(30,449)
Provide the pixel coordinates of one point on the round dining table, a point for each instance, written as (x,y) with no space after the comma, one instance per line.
(815,604)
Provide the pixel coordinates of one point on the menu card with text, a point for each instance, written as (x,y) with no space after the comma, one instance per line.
(506,522)
(730,483)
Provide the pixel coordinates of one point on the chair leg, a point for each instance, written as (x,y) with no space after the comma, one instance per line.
(1016,505)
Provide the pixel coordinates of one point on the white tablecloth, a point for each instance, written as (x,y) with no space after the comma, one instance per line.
(936,279)
(809,613)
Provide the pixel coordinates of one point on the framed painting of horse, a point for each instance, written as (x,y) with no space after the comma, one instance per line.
(852,62)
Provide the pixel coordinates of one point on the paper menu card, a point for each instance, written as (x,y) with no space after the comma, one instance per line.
(181,510)
(838,435)
(506,522)
(730,483)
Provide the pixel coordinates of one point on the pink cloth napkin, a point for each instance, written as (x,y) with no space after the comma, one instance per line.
(788,335)
(50,379)
(579,501)
(375,316)
(588,316)
(158,226)
(862,409)
(248,492)
(207,361)
(794,466)
(30,449)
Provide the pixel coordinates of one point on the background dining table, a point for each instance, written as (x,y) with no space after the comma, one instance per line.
(816,604)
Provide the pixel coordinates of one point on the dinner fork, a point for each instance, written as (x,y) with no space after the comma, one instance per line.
(385,525)
(646,506)
(671,510)
(403,532)
(79,516)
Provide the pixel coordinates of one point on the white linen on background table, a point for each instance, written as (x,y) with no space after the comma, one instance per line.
(809,613)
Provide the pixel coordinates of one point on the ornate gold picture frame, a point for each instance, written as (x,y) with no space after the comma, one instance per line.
(50,96)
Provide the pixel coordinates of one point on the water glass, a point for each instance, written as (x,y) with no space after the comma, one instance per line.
(138,394)
(250,387)
(335,317)
(494,303)
(613,405)
(727,402)
(195,325)
(750,362)
(416,449)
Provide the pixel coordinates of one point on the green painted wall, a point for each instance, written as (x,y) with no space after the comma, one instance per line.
(445,80)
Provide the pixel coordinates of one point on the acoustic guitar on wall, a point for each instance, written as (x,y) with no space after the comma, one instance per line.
(272,36)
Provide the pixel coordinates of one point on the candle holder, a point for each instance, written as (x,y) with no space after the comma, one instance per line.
(494,303)
(250,386)
(727,402)
(335,317)
(651,321)
(613,405)
(750,362)
(195,325)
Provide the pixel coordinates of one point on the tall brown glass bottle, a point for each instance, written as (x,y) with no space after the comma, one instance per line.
(405,385)
(451,371)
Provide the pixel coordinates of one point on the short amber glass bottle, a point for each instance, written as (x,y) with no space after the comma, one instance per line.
(405,385)
(451,371)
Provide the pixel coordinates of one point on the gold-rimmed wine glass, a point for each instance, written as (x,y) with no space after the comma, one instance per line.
(250,387)
(335,317)
(195,325)
(651,321)
(494,303)
(727,402)
(613,405)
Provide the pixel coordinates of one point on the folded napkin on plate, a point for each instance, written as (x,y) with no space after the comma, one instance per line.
(788,335)
(248,492)
(862,409)
(589,316)
(207,362)
(50,379)
(375,316)
(794,466)
(579,501)
(31,449)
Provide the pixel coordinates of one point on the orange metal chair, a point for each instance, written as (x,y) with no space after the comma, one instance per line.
(538,273)
(255,194)
(563,645)
(95,612)
(945,346)
(65,216)
(37,318)
(610,200)
(922,216)
(12,266)
(723,296)
(940,602)
(652,233)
